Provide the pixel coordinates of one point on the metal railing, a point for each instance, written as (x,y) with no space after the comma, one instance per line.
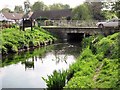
(73,23)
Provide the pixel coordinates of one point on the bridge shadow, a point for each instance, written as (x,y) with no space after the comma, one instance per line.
(75,37)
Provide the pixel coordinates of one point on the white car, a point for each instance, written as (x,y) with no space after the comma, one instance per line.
(109,23)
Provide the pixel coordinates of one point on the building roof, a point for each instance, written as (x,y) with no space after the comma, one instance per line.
(2,17)
(13,16)
(52,14)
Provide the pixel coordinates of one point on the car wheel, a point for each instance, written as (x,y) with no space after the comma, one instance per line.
(101,26)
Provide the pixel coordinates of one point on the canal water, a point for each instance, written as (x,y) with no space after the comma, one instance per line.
(25,70)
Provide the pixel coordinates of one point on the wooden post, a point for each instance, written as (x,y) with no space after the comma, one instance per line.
(31,24)
(23,27)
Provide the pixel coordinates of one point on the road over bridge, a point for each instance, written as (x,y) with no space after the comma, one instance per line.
(67,33)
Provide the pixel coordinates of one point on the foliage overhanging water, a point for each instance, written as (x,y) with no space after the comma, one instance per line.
(25,70)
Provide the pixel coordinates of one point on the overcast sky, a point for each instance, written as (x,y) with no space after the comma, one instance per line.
(11,3)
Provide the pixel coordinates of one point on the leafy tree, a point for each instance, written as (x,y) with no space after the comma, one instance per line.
(66,6)
(58,6)
(6,10)
(96,9)
(39,5)
(81,12)
(116,8)
(112,9)
(108,14)
(27,7)
(18,9)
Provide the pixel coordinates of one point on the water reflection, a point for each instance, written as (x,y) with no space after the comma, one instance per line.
(60,58)
(29,63)
(24,70)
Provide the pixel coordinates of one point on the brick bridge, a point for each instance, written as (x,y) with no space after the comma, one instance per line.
(76,33)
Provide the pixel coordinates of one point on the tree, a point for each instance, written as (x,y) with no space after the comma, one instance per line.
(39,5)
(96,8)
(59,6)
(27,7)
(18,9)
(112,9)
(116,8)
(81,12)
(108,14)
(6,10)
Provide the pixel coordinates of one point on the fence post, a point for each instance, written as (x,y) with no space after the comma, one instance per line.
(31,24)
(23,27)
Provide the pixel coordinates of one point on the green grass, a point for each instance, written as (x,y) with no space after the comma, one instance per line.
(14,40)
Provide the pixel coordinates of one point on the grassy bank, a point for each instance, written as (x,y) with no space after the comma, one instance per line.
(14,40)
(98,64)
(96,67)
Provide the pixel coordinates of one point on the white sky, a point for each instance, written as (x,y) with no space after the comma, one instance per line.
(11,3)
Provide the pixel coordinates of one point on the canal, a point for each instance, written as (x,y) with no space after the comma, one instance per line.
(26,69)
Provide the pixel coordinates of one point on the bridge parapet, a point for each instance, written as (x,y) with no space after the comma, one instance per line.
(62,32)
(75,23)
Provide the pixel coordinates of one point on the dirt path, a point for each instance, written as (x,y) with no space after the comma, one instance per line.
(97,72)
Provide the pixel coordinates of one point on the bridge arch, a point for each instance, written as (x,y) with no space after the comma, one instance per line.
(75,37)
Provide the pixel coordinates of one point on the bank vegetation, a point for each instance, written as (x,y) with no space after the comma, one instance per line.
(96,67)
(15,40)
